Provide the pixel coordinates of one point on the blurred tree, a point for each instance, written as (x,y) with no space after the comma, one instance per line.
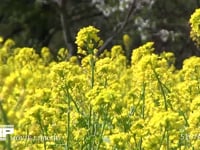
(171,27)
(54,23)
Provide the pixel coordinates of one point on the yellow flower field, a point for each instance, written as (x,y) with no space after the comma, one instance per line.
(99,103)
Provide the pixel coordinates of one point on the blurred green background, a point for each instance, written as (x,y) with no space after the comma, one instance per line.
(55,23)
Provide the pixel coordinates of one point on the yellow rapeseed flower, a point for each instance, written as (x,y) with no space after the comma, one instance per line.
(87,40)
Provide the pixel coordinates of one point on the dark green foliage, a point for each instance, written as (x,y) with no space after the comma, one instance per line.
(54,23)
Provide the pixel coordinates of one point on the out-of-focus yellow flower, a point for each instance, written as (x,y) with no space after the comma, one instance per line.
(46,55)
(1,39)
(9,43)
(80,134)
(62,54)
(195,23)
(127,41)
(73,60)
(116,51)
(143,50)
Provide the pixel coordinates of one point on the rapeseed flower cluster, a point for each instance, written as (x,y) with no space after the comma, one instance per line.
(195,29)
(102,103)
(88,41)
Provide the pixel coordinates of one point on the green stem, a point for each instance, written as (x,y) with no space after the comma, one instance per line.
(167,134)
(69,96)
(91,116)
(163,137)
(68,119)
(161,87)
(140,143)
(101,134)
(185,118)
(90,127)
(143,98)
(91,120)
(103,127)
(92,63)
(42,128)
